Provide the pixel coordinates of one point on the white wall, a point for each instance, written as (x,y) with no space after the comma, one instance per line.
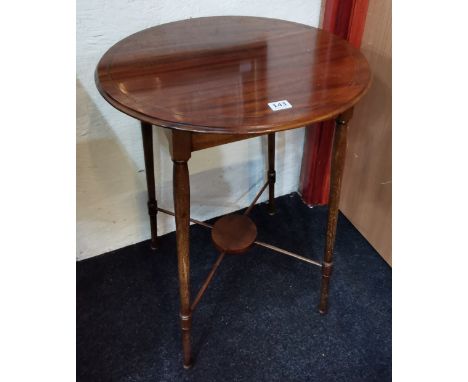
(111,188)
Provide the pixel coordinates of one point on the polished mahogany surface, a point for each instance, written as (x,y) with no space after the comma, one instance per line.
(218,74)
(234,234)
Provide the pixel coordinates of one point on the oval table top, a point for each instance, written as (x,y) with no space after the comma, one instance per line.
(219,75)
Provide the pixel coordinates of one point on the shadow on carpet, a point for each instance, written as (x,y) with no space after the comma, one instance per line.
(258,320)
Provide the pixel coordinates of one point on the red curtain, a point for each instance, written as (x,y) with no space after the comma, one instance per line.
(345,18)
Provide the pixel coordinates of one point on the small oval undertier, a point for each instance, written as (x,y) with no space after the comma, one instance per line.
(234,234)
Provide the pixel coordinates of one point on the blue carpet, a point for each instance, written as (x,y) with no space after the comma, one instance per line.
(258,320)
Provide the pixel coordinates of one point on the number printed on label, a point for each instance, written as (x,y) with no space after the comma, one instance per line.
(279,105)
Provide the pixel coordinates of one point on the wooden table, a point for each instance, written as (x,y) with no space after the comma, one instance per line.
(214,80)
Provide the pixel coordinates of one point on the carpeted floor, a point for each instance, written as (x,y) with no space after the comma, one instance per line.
(258,320)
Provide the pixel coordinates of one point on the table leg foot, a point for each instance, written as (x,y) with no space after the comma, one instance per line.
(188,365)
(186,324)
(326,272)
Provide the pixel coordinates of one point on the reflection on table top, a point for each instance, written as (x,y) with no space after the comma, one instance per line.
(219,74)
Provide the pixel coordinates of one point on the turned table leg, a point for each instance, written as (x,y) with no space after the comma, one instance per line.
(181,190)
(337,166)
(147,134)
(271,173)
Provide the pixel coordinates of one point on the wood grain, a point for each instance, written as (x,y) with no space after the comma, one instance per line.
(234,234)
(337,167)
(210,80)
(204,141)
(367,187)
(147,136)
(218,74)
(181,190)
(271,173)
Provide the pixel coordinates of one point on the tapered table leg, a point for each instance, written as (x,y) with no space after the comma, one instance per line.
(337,166)
(271,173)
(181,189)
(147,134)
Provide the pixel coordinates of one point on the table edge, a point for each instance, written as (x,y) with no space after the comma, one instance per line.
(246,129)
